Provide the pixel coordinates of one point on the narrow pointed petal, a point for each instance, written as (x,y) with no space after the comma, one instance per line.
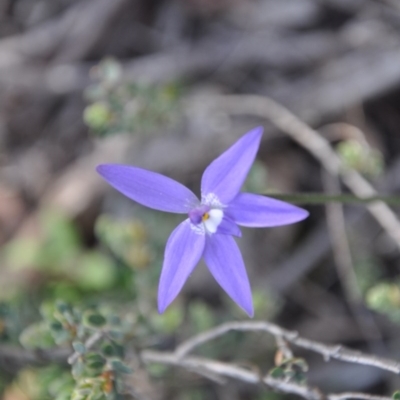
(182,253)
(253,210)
(225,175)
(225,263)
(149,188)
(228,227)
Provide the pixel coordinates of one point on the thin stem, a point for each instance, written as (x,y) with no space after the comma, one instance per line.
(322,198)
(344,261)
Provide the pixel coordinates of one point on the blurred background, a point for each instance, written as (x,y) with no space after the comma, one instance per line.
(84,82)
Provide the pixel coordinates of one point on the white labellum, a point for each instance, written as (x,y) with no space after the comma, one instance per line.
(214,219)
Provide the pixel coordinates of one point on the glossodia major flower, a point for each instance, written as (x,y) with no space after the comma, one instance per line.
(210,224)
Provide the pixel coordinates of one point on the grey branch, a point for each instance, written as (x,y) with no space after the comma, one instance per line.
(337,352)
(213,368)
(200,365)
(355,395)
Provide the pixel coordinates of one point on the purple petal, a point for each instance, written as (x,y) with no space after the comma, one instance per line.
(225,175)
(149,188)
(225,262)
(260,211)
(182,253)
(228,227)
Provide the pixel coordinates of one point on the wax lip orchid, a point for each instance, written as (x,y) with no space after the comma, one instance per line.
(211,222)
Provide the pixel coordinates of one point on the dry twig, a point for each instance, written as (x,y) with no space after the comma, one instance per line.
(337,352)
(202,366)
(251,377)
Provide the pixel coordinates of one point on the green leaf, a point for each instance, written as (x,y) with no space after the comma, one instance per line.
(22,253)
(95,361)
(37,336)
(97,115)
(300,364)
(277,373)
(116,335)
(79,347)
(170,320)
(201,316)
(94,320)
(63,308)
(96,271)
(61,242)
(119,366)
(62,336)
(95,367)
(112,350)
(56,326)
(385,298)
(396,395)
(78,368)
(107,350)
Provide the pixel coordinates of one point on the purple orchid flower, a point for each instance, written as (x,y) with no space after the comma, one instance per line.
(211,222)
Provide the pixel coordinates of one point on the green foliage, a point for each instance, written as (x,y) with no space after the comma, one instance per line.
(37,336)
(292,370)
(97,116)
(57,253)
(362,158)
(385,298)
(126,239)
(170,320)
(46,383)
(396,395)
(98,370)
(267,395)
(266,304)
(93,320)
(96,271)
(56,241)
(117,106)
(201,317)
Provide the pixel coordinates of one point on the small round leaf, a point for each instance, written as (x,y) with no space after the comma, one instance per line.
(119,366)
(94,320)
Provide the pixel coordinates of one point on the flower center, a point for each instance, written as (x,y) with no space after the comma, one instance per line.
(207,218)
